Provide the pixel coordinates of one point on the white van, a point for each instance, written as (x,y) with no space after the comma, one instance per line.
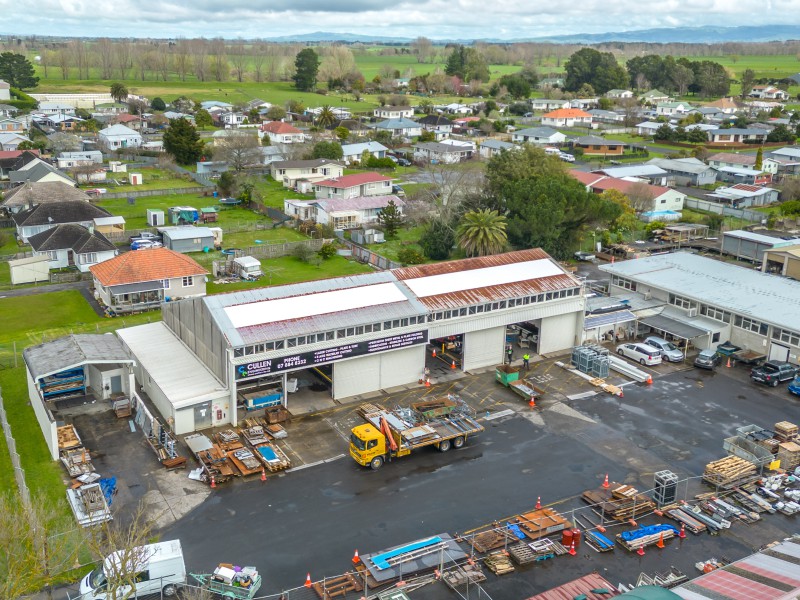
(552,151)
(641,353)
(159,568)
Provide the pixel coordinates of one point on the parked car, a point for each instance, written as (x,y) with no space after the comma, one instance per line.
(145,235)
(142,244)
(398,190)
(794,387)
(641,353)
(669,351)
(773,372)
(566,157)
(584,256)
(403,162)
(707,359)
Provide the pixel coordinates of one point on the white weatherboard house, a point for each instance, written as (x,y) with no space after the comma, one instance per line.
(120,136)
(341,213)
(353,152)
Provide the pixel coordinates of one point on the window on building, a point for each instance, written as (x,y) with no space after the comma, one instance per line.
(788,337)
(165,284)
(715,313)
(89,258)
(187,281)
(52,254)
(680,301)
(623,283)
(750,325)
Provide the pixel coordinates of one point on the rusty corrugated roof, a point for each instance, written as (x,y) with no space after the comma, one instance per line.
(480,295)
(580,586)
(468,264)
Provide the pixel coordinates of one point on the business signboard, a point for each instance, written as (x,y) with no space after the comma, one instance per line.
(304,360)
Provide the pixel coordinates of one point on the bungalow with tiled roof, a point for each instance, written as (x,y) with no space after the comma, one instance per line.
(567,117)
(594,145)
(393,112)
(353,186)
(649,197)
(46,216)
(280,132)
(144,279)
(724,105)
(73,246)
(31,194)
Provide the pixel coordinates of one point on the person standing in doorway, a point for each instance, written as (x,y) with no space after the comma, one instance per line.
(510,353)
(525,360)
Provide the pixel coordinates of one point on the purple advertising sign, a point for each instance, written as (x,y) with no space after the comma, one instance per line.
(304,360)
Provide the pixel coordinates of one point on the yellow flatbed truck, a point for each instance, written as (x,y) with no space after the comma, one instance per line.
(393,434)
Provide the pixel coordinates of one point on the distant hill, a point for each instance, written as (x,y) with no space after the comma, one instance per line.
(664,35)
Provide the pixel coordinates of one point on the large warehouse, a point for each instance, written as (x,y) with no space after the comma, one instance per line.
(366,332)
(706,301)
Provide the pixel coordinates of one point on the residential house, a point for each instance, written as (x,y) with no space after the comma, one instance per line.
(393,112)
(28,195)
(353,186)
(441,126)
(46,216)
(52,123)
(651,198)
(11,141)
(743,195)
(8,125)
(290,172)
(727,106)
(187,238)
(618,94)
(67,160)
(257,104)
(746,161)
(547,104)
(610,117)
(280,132)
(491,147)
(400,127)
(339,112)
(38,170)
(271,154)
(686,171)
(654,97)
(647,173)
(120,136)
(437,152)
(354,126)
(584,103)
(783,261)
(6,110)
(550,82)
(669,109)
(135,122)
(5,90)
(456,108)
(538,135)
(567,117)
(12,160)
(743,175)
(594,145)
(341,213)
(231,120)
(649,128)
(209,104)
(768,92)
(173,115)
(110,108)
(72,246)
(352,153)
(787,159)
(56,108)
(735,135)
(146,278)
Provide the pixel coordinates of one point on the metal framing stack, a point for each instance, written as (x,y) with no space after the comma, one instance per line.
(591,359)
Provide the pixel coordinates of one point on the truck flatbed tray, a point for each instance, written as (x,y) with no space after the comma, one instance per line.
(525,388)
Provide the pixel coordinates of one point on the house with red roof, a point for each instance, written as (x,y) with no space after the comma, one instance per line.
(354,186)
(144,279)
(567,117)
(280,132)
(644,197)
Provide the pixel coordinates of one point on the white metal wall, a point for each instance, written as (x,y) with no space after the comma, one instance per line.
(402,366)
(558,333)
(356,376)
(484,348)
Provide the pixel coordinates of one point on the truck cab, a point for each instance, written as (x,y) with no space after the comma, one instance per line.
(367,446)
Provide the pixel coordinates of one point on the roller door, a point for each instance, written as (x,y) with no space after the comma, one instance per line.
(484,348)
(356,376)
(557,334)
(402,366)
(778,352)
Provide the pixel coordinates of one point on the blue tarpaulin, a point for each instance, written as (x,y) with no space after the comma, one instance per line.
(643,531)
(516,531)
(267,452)
(109,487)
(381,561)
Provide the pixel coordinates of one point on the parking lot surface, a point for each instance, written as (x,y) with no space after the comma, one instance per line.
(312,519)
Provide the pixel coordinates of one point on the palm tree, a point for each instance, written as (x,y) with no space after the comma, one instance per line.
(326,117)
(119,92)
(482,232)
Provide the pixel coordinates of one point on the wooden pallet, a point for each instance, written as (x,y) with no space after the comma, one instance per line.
(499,563)
(68,437)
(463,576)
(337,586)
(521,553)
(728,470)
(618,503)
(492,539)
(542,522)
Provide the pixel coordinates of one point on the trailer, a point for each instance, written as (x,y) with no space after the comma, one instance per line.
(393,434)
(509,376)
(228,583)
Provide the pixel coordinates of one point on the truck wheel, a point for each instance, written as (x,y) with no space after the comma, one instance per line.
(376,463)
(458,442)
(169,590)
(774,383)
(444,445)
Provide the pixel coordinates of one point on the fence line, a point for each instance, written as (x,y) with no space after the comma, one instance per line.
(145,193)
(369,257)
(741,213)
(19,473)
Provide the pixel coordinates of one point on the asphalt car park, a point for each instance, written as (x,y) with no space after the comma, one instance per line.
(311,520)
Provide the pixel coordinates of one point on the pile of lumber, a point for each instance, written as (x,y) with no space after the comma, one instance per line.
(542,522)
(463,576)
(789,455)
(228,440)
(729,471)
(619,502)
(77,462)
(785,431)
(492,539)
(499,563)
(333,587)
(68,437)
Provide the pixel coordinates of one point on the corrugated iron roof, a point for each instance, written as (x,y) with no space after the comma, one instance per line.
(468,264)
(583,585)
(499,292)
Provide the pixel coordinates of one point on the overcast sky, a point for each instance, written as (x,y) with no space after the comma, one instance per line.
(437,19)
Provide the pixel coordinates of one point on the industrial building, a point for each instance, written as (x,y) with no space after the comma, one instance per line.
(751,245)
(705,302)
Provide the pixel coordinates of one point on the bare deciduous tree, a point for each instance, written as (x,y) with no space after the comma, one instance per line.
(640,196)
(423,48)
(105,54)
(238,55)
(122,57)
(182,62)
(200,58)
(240,149)
(219,59)
(452,186)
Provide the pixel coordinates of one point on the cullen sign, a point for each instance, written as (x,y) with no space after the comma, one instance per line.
(326,355)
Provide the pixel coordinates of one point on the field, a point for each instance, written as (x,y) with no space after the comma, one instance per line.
(153,179)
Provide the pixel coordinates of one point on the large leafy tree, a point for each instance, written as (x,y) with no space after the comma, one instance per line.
(467,64)
(119,92)
(391,218)
(17,71)
(329,150)
(545,206)
(437,240)
(326,117)
(599,69)
(482,232)
(183,142)
(306,65)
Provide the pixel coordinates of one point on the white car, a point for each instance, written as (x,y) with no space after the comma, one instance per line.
(566,157)
(641,353)
(142,244)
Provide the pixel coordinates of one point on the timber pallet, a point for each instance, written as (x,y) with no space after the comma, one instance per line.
(521,553)
(729,471)
(337,586)
(492,540)
(463,576)
(498,563)
(68,437)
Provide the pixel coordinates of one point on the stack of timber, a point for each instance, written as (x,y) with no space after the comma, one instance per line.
(217,464)
(463,576)
(228,440)
(272,456)
(785,431)
(619,502)
(245,461)
(687,520)
(789,455)
(492,539)
(335,587)
(541,523)
(646,536)
(121,407)
(729,472)
(499,563)
(68,437)
(77,462)
(254,431)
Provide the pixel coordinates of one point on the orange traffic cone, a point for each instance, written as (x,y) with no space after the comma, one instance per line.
(532,402)
(453,365)
(729,362)
(605,481)
(427,382)
(633,523)
(640,551)
(263,474)
(308,581)
(621,393)
(649,380)
(572,549)
(213,483)
(660,543)
(682,532)
(355,558)
(538,502)
(434,353)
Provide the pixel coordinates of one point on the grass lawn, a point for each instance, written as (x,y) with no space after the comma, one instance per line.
(273,193)
(280,271)
(154,179)
(405,238)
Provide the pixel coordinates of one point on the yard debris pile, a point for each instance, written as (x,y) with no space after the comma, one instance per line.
(619,502)
(729,471)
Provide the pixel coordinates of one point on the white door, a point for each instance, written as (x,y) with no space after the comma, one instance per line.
(402,366)
(778,352)
(483,348)
(356,376)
